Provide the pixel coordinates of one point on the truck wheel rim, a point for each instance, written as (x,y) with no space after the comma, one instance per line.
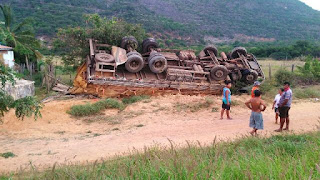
(219,73)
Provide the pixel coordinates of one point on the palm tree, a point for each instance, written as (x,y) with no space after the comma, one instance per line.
(20,36)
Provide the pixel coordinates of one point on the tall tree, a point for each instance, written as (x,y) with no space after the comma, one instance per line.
(20,36)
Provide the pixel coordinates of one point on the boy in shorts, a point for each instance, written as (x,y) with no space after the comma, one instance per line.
(226,100)
(257,105)
(276,102)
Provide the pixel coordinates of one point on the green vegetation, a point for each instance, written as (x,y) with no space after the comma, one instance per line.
(284,50)
(7,155)
(304,81)
(309,92)
(19,36)
(95,108)
(194,106)
(277,157)
(72,42)
(27,106)
(134,99)
(285,19)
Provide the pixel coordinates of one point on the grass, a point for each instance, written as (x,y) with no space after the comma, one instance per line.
(193,107)
(134,99)
(277,157)
(276,65)
(305,93)
(95,108)
(113,120)
(7,155)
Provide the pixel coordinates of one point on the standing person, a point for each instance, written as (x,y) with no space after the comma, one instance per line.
(284,107)
(256,86)
(276,102)
(226,100)
(256,119)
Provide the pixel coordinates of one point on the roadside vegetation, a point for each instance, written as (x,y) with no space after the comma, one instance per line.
(110,103)
(95,108)
(193,106)
(134,99)
(277,157)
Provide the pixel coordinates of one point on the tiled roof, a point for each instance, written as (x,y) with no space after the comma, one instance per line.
(2,47)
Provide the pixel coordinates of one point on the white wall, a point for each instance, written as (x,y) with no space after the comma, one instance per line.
(8,58)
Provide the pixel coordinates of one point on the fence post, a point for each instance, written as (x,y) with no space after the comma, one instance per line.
(270,72)
(292,68)
(70,81)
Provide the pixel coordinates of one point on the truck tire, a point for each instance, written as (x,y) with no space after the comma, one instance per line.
(235,76)
(238,50)
(134,63)
(251,77)
(129,41)
(211,48)
(104,57)
(158,64)
(153,54)
(149,44)
(133,53)
(219,73)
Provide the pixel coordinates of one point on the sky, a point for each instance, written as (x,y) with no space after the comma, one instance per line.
(315,4)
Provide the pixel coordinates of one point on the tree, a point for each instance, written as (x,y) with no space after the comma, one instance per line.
(27,106)
(73,41)
(19,36)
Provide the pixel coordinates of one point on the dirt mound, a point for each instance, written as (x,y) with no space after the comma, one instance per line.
(58,137)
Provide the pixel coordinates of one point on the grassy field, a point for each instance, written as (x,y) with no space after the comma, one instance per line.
(276,65)
(277,157)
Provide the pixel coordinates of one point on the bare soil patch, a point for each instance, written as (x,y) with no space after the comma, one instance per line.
(59,138)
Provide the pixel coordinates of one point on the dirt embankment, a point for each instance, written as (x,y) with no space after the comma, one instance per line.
(58,137)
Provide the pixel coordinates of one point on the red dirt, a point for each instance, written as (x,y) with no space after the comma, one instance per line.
(58,137)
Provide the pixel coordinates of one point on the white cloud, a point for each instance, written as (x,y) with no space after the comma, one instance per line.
(315,4)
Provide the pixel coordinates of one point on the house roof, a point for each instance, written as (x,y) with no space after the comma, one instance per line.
(5,48)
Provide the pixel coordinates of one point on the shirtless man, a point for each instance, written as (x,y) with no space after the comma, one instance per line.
(255,104)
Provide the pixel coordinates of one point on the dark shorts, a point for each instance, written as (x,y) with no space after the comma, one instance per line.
(276,110)
(225,106)
(284,112)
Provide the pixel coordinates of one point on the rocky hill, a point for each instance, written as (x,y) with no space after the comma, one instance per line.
(217,20)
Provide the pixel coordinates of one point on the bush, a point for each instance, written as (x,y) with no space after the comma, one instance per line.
(310,72)
(7,155)
(307,93)
(93,109)
(111,104)
(134,99)
(283,75)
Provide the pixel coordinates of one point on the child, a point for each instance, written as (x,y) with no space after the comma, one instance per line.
(276,102)
(256,120)
(226,100)
(256,86)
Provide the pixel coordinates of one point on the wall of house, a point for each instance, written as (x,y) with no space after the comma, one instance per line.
(22,88)
(7,57)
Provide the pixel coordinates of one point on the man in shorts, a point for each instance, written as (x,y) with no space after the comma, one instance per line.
(284,107)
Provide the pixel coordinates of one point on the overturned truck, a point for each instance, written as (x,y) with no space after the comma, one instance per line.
(111,71)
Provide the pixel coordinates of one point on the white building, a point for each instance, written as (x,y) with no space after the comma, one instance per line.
(22,88)
(7,56)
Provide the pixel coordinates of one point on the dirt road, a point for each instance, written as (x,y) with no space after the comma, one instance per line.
(58,137)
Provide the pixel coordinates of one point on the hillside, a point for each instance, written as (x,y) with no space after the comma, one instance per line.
(217,20)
